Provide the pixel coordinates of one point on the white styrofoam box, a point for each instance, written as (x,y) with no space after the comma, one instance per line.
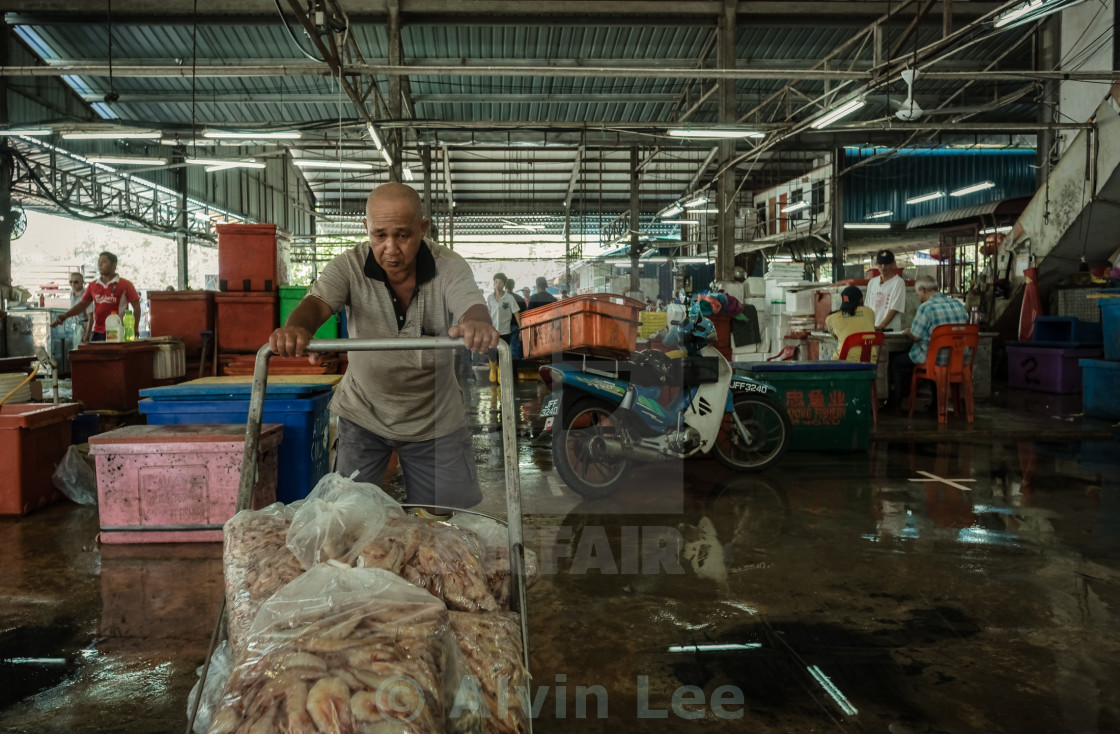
(755,287)
(800,301)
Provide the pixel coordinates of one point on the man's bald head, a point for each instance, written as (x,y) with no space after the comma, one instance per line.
(396,227)
(396,191)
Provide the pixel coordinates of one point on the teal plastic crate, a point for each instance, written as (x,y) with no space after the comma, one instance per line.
(1101,388)
(829,402)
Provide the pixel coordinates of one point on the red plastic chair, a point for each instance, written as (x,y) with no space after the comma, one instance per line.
(957,374)
(866,342)
(787,354)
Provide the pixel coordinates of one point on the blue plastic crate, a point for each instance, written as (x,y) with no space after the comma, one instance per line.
(1101,396)
(304,452)
(1110,324)
(1066,330)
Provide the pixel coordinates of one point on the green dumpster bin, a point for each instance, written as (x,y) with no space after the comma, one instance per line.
(290,296)
(829,402)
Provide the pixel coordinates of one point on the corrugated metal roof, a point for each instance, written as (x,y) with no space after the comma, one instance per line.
(1010,207)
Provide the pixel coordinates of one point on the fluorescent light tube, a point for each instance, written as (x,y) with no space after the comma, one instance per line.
(228,135)
(679,221)
(533,227)
(839,113)
(879,215)
(127,160)
(387,157)
(867,225)
(926,197)
(995,230)
(703,211)
(113,135)
(27,132)
(408,175)
(795,207)
(217,164)
(698,201)
(1013,15)
(723,133)
(672,211)
(373,134)
(348,165)
(973,188)
(693,260)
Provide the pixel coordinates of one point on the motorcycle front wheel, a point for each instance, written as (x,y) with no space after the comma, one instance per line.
(591,476)
(767,428)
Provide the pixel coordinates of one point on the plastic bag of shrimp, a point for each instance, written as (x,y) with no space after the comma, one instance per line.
(444,559)
(341,649)
(491,683)
(495,541)
(257,564)
(338,519)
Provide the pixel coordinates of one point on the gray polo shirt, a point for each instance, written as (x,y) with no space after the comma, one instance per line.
(400,395)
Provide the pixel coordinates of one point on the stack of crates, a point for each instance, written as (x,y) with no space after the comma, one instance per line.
(1049,363)
(252,265)
(1101,377)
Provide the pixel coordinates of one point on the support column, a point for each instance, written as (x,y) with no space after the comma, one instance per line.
(5,178)
(1048,53)
(395,141)
(182,278)
(836,213)
(725,243)
(635,225)
(426,172)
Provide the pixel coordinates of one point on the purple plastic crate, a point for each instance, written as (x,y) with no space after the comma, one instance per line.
(1047,369)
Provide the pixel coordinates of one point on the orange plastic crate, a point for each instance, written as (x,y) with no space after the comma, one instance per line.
(599,324)
(33,439)
(245,320)
(252,257)
(183,314)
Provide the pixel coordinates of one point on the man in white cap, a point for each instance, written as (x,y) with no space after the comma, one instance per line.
(886,293)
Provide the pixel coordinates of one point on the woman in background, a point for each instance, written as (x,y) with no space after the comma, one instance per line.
(852,318)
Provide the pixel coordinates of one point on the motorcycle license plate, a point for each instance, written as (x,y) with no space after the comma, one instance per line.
(551,407)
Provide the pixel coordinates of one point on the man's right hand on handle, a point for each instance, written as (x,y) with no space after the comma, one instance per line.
(291,341)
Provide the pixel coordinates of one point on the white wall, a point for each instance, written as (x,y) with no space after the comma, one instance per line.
(1087,45)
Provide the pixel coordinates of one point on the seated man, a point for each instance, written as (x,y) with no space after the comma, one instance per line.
(936,309)
(400,285)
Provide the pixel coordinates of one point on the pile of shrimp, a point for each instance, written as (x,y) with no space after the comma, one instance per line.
(498,572)
(444,559)
(257,565)
(379,668)
(489,647)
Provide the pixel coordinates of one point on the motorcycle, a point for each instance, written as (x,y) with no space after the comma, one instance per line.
(657,407)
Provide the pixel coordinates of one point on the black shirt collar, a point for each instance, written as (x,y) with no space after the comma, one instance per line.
(425,265)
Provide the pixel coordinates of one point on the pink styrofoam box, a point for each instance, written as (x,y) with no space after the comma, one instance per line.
(177,483)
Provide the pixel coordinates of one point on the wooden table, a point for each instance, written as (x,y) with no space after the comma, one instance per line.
(899,342)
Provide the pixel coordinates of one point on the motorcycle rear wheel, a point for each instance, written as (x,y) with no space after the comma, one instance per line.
(769,427)
(588,476)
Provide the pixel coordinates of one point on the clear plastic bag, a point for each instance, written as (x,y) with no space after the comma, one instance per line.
(495,540)
(341,649)
(257,564)
(444,559)
(338,519)
(492,684)
(75,478)
(221,664)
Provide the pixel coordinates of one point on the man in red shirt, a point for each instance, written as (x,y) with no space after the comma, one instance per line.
(107,294)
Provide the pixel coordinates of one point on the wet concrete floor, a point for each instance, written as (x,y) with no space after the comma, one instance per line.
(948,580)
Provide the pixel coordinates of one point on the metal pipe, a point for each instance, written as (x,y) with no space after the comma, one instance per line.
(633,72)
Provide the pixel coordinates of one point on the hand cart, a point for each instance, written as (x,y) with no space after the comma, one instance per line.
(509,444)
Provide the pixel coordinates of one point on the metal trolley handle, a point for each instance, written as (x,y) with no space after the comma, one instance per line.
(509,442)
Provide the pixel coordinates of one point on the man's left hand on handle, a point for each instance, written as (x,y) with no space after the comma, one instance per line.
(478,336)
